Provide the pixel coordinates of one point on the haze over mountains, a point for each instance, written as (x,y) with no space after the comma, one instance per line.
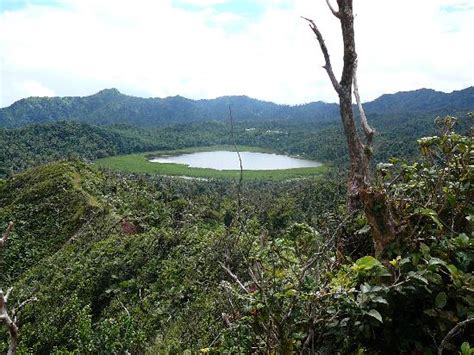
(109,107)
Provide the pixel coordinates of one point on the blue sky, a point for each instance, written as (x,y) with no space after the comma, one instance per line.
(15,5)
(460,6)
(209,48)
(246,8)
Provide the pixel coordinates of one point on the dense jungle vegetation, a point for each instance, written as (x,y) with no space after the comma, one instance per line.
(40,143)
(105,252)
(149,264)
(109,107)
(137,263)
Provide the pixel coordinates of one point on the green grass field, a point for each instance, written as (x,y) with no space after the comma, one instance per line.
(138,163)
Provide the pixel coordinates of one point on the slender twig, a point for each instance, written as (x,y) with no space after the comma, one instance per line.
(324,49)
(234,277)
(123,306)
(23,304)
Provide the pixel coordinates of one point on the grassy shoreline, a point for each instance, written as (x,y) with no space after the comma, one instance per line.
(138,163)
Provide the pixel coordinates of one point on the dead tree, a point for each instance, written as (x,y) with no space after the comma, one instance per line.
(9,320)
(377,210)
(6,234)
(4,316)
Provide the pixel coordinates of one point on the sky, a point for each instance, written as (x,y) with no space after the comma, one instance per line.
(203,49)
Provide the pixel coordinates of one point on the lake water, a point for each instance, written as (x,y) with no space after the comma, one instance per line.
(225,160)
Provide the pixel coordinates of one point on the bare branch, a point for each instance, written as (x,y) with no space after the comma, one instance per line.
(125,308)
(5,319)
(8,322)
(334,12)
(453,333)
(236,279)
(7,294)
(327,66)
(23,304)
(369,131)
(6,234)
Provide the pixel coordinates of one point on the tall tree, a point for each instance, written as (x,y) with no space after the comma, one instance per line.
(377,209)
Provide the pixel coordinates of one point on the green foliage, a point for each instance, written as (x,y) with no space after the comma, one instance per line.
(34,145)
(109,107)
(131,125)
(48,205)
(407,304)
(129,262)
(466,349)
(133,263)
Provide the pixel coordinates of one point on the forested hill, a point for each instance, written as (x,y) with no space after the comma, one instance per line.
(37,144)
(139,264)
(109,106)
(423,101)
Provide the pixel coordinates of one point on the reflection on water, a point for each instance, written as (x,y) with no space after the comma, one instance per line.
(225,160)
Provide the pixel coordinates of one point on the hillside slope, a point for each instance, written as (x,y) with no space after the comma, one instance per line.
(48,204)
(37,144)
(102,255)
(134,264)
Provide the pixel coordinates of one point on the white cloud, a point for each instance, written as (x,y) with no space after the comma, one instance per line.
(34,88)
(25,88)
(152,48)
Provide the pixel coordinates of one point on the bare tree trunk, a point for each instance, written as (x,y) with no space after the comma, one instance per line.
(377,210)
(6,318)
(8,322)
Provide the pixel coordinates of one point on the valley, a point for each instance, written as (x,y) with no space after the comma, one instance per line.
(225,165)
(236,177)
(130,255)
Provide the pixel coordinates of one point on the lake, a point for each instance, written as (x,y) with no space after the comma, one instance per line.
(226,160)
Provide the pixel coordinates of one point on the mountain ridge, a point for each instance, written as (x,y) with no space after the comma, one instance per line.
(110,106)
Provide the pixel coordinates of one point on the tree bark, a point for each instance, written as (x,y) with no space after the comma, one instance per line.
(376,207)
(8,319)
(8,322)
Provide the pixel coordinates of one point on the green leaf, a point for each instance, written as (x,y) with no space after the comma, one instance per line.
(364,288)
(380,299)
(466,348)
(417,276)
(366,263)
(453,270)
(375,314)
(436,261)
(441,300)
(428,212)
(291,292)
(425,249)
(462,240)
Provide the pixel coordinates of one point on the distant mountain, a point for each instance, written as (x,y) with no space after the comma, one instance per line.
(423,100)
(109,107)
